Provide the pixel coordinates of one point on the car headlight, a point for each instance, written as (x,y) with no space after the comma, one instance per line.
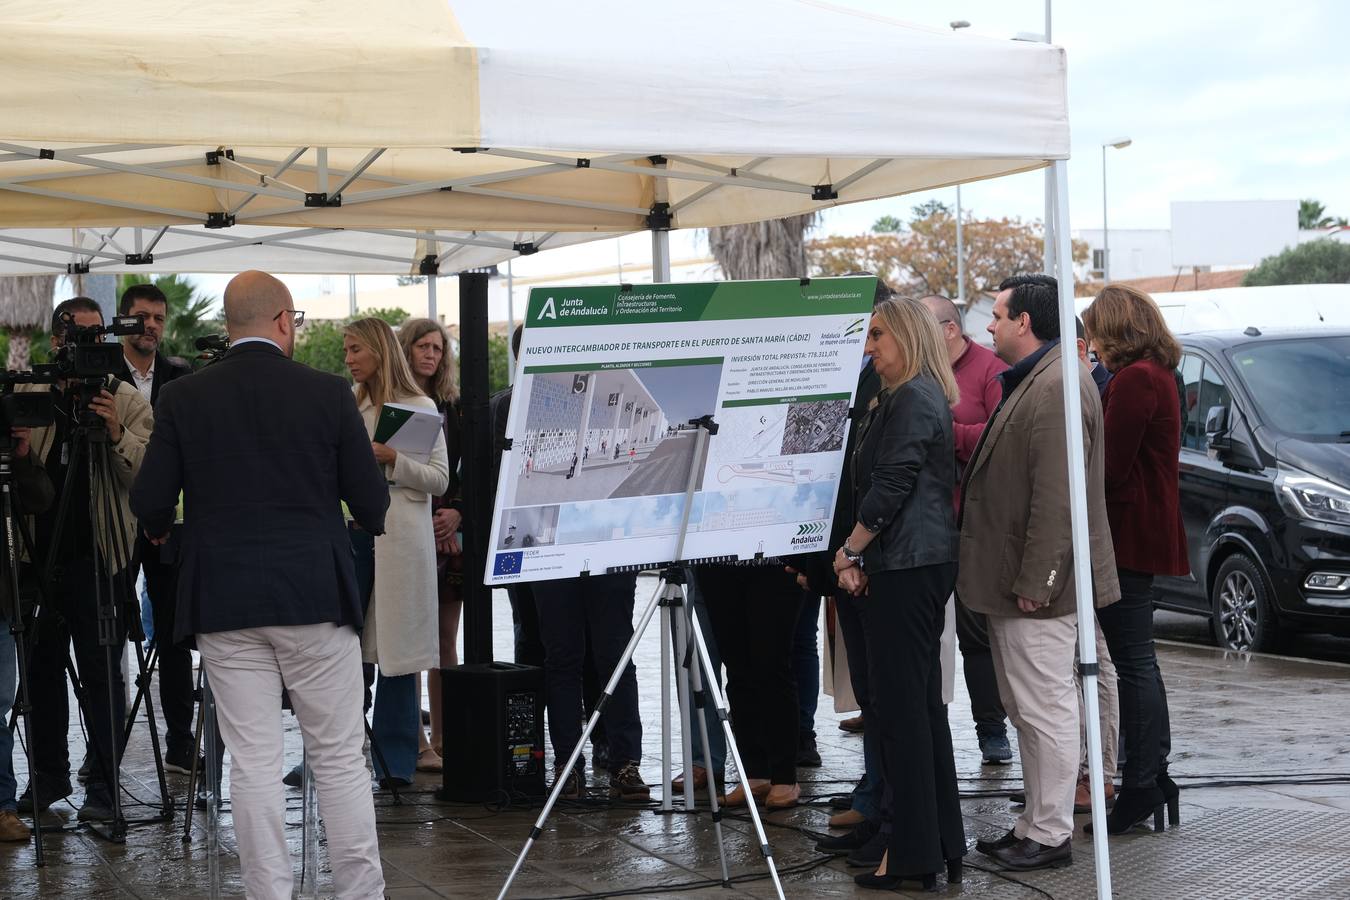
(1306,497)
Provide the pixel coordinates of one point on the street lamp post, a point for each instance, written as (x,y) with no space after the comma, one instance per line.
(960,243)
(1120,144)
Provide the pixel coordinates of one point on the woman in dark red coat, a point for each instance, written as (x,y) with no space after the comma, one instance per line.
(1143,439)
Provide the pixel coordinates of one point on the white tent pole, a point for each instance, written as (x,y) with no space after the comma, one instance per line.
(660,256)
(510,319)
(1050,265)
(431,298)
(1082,550)
(1050,237)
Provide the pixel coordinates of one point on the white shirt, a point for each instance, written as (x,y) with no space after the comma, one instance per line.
(246,340)
(144,383)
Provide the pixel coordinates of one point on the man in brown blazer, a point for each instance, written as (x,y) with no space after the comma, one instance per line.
(1017,561)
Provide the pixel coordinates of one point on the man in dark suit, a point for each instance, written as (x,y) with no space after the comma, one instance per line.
(264,450)
(148,370)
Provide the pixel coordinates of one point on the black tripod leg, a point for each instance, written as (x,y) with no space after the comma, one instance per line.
(147,673)
(379,755)
(17,629)
(191,805)
(166,801)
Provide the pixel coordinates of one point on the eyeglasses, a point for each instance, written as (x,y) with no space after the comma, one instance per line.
(299,315)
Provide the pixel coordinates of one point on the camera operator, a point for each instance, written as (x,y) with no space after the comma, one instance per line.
(34,492)
(70,612)
(147,370)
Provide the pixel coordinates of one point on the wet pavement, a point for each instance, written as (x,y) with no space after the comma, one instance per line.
(1259,749)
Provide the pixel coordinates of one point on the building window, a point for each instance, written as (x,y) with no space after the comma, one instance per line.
(1099,260)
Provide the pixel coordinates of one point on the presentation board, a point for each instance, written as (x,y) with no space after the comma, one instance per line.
(600,445)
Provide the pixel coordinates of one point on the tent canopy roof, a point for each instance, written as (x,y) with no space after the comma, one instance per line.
(529,121)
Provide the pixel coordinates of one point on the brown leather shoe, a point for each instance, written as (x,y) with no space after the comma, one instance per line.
(783,796)
(1082,796)
(847,819)
(12,827)
(853,725)
(737,797)
(700,781)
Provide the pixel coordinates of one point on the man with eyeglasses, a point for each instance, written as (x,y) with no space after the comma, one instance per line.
(976,369)
(264,451)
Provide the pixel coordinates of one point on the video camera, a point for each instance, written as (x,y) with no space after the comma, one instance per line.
(84,361)
(84,354)
(24,410)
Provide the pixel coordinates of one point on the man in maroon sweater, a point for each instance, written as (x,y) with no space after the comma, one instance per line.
(976,369)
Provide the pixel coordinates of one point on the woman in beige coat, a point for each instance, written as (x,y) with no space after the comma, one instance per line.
(401,623)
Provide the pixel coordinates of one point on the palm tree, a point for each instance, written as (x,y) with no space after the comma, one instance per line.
(189,312)
(1313,215)
(25,306)
(772,249)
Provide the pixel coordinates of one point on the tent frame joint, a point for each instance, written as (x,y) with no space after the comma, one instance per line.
(525,248)
(660,218)
(139,259)
(79,268)
(213,157)
(319,199)
(219,220)
(824,192)
(429,266)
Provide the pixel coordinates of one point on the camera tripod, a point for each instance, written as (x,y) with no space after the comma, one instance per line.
(23,706)
(88,451)
(697,685)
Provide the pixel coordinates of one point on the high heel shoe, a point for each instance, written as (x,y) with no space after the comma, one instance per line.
(875,882)
(1133,807)
(954,867)
(1171,794)
(889,882)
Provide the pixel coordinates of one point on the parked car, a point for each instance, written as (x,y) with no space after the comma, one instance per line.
(1265,484)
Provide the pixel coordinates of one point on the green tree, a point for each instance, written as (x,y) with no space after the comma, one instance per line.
(1322,261)
(190,313)
(319,344)
(888,225)
(1312,214)
(499,362)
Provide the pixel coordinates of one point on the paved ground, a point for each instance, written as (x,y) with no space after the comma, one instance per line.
(1260,748)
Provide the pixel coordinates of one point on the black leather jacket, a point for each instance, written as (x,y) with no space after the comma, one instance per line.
(903,472)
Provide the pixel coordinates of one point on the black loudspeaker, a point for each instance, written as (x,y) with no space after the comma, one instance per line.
(493,717)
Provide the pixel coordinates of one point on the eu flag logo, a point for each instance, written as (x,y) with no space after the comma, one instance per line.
(508,563)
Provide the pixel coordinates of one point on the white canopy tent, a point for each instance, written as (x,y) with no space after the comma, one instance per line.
(431,135)
(456,119)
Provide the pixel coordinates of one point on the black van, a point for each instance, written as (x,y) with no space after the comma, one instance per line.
(1265,484)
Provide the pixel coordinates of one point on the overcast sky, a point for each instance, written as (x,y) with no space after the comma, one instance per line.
(1224,99)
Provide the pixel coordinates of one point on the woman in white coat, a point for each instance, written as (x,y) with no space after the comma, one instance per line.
(401,630)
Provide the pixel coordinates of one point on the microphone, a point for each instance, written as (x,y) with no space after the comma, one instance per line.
(212,342)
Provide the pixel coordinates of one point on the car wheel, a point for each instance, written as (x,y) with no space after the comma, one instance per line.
(1242,618)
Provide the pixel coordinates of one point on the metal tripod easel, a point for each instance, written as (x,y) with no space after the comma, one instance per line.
(679,633)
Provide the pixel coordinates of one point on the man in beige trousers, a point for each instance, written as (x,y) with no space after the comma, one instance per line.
(1017,561)
(263,449)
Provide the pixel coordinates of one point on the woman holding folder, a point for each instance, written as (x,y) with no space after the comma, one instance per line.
(426,346)
(401,630)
